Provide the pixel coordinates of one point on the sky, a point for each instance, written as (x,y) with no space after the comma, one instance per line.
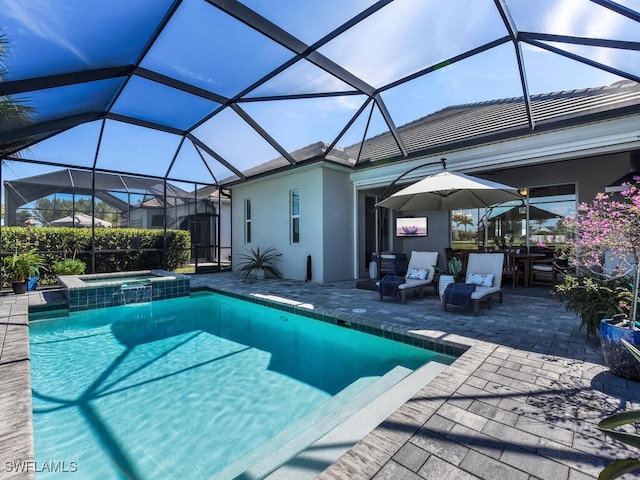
(205,47)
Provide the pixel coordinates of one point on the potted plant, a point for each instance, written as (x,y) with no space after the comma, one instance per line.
(606,250)
(594,298)
(453,272)
(21,266)
(258,262)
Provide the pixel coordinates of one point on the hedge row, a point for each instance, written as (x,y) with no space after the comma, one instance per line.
(131,245)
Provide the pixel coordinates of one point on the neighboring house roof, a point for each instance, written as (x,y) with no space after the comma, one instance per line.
(477,123)
(79,220)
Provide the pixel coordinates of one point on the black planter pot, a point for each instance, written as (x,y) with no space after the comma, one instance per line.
(19,287)
(619,360)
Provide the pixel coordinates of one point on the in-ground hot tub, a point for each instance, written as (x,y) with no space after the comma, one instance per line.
(86,292)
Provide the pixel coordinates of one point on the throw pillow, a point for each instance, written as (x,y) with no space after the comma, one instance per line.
(417,274)
(481,279)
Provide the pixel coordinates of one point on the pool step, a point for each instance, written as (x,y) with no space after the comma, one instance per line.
(318,456)
(310,428)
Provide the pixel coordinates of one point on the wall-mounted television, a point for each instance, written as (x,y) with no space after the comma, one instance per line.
(411,227)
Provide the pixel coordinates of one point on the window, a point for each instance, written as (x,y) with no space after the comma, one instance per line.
(295,217)
(247,220)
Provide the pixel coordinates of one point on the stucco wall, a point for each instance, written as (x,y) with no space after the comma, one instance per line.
(271,220)
(438,235)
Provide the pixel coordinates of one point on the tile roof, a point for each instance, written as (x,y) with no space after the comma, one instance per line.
(478,123)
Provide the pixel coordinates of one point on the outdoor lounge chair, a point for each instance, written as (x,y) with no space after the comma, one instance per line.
(419,275)
(479,270)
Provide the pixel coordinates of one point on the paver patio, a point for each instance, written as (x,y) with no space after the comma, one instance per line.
(523,401)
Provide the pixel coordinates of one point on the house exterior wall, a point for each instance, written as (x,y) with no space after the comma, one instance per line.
(271,220)
(438,235)
(590,156)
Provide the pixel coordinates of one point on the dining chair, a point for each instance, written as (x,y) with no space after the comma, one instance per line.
(511,268)
(543,272)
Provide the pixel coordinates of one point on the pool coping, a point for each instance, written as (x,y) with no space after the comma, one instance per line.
(16,416)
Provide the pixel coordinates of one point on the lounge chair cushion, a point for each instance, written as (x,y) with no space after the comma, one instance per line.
(413,282)
(424,261)
(421,265)
(487,264)
(481,292)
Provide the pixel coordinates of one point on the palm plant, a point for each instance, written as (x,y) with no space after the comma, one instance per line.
(257,260)
(22,265)
(14,114)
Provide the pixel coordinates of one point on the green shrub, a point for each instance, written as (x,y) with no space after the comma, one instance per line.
(69,267)
(593,299)
(116,249)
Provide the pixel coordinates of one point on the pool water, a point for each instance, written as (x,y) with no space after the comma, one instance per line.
(183,388)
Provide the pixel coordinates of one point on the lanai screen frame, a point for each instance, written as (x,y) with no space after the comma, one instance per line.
(195,198)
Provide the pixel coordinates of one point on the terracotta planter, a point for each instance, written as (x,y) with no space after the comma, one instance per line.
(619,360)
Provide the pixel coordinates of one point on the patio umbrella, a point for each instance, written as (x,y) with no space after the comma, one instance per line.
(450,191)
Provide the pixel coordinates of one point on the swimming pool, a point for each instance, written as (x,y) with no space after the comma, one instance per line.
(193,387)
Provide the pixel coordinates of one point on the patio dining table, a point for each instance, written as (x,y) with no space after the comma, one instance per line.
(526,260)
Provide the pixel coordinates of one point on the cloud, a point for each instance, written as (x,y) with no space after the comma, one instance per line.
(43,19)
(408,35)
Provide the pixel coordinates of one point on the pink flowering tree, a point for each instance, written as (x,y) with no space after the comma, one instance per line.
(607,240)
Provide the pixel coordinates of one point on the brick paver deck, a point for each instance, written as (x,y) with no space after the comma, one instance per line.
(522,402)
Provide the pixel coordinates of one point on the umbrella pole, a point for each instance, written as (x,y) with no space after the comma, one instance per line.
(486,230)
